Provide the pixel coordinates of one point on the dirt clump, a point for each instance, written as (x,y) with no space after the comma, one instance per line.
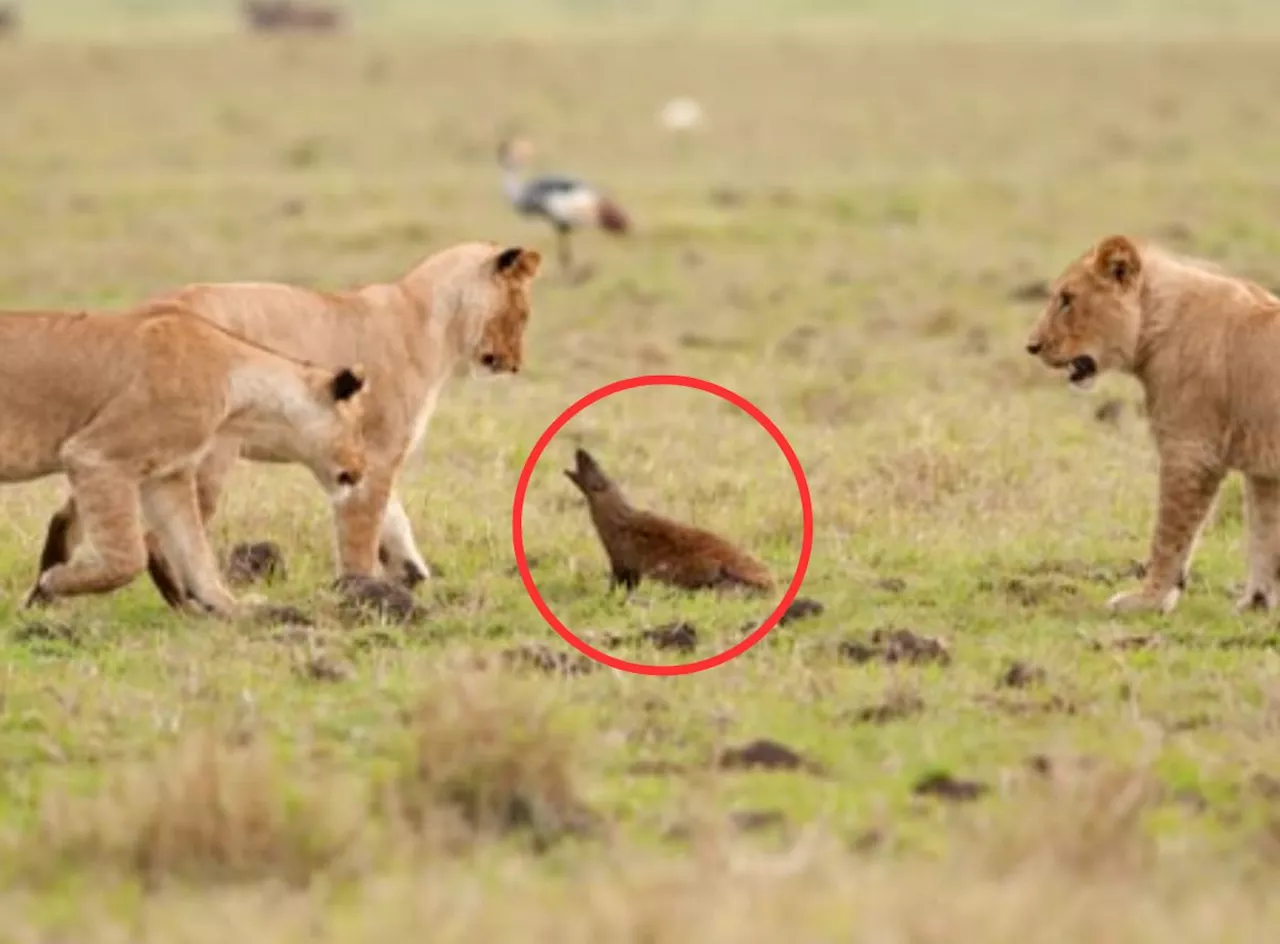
(944,786)
(543,658)
(764,754)
(897,706)
(48,631)
(1019,674)
(255,562)
(895,645)
(801,608)
(370,598)
(682,637)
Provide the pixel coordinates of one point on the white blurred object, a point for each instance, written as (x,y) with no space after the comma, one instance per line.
(681,114)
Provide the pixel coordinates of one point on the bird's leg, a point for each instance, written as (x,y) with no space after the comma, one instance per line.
(566,251)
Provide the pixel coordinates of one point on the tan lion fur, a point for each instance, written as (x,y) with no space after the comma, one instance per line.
(463,307)
(126,406)
(1205,346)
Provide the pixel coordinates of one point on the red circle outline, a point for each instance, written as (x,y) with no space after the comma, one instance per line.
(657,380)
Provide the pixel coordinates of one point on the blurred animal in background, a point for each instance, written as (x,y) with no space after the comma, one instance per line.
(276,16)
(681,114)
(10,20)
(642,544)
(566,202)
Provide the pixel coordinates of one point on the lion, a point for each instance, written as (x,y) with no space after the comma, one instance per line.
(1204,345)
(126,406)
(464,307)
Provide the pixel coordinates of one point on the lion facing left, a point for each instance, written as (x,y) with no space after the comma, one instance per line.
(1205,346)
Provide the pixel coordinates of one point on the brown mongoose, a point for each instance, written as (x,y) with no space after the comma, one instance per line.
(642,544)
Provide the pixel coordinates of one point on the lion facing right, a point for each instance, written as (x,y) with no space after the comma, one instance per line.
(1206,348)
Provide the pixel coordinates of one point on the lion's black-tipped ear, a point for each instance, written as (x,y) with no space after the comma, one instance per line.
(347,383)
(1118,259)
(517,262)
(507,258)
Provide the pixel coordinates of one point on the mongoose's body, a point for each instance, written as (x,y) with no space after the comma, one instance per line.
(642,544)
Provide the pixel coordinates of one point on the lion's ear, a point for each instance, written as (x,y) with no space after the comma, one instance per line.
(1117,259)
(517,262)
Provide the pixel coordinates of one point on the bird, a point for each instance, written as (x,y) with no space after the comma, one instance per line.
(643,544)
(568,203)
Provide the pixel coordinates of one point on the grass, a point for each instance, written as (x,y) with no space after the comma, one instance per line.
(843,244)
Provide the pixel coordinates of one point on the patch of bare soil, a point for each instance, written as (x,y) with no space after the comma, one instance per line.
(944,786)
(543,658)
(898,705)
(365,598)
(255,562)
(895,645)
(891,584)
(1019,674)
(765,754)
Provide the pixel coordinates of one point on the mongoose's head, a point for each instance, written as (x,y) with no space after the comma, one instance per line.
(587,476)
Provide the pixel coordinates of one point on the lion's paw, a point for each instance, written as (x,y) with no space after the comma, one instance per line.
(1139,601)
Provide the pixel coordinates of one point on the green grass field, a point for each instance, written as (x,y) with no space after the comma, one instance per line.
(846,243)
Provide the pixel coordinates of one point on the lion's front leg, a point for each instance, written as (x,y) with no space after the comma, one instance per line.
(359,524)
(1187,492)
(397,551)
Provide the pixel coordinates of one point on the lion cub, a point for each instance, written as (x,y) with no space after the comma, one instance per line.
(640,543)
(1205,347)
(126,406)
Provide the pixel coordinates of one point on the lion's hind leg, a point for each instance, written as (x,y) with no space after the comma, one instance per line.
(111,552)
(1262,518)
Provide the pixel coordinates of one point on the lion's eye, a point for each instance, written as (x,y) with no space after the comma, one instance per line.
(1064,301)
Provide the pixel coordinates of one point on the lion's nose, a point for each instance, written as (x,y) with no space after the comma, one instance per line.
(1035,347)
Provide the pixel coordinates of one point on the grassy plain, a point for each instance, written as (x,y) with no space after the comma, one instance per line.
(845,243)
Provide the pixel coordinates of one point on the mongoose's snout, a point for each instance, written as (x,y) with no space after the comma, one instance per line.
(587,476)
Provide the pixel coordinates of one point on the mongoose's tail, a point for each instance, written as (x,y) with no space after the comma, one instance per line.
(748,572)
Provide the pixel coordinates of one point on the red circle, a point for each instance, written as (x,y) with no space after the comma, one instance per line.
(661,380)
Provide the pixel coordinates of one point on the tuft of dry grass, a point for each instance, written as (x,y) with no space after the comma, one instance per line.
(211,811)
(497,763)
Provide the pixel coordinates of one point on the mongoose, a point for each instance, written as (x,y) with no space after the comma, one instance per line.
(643,544)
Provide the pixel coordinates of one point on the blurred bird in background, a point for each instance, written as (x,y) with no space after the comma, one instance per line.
(566,202)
